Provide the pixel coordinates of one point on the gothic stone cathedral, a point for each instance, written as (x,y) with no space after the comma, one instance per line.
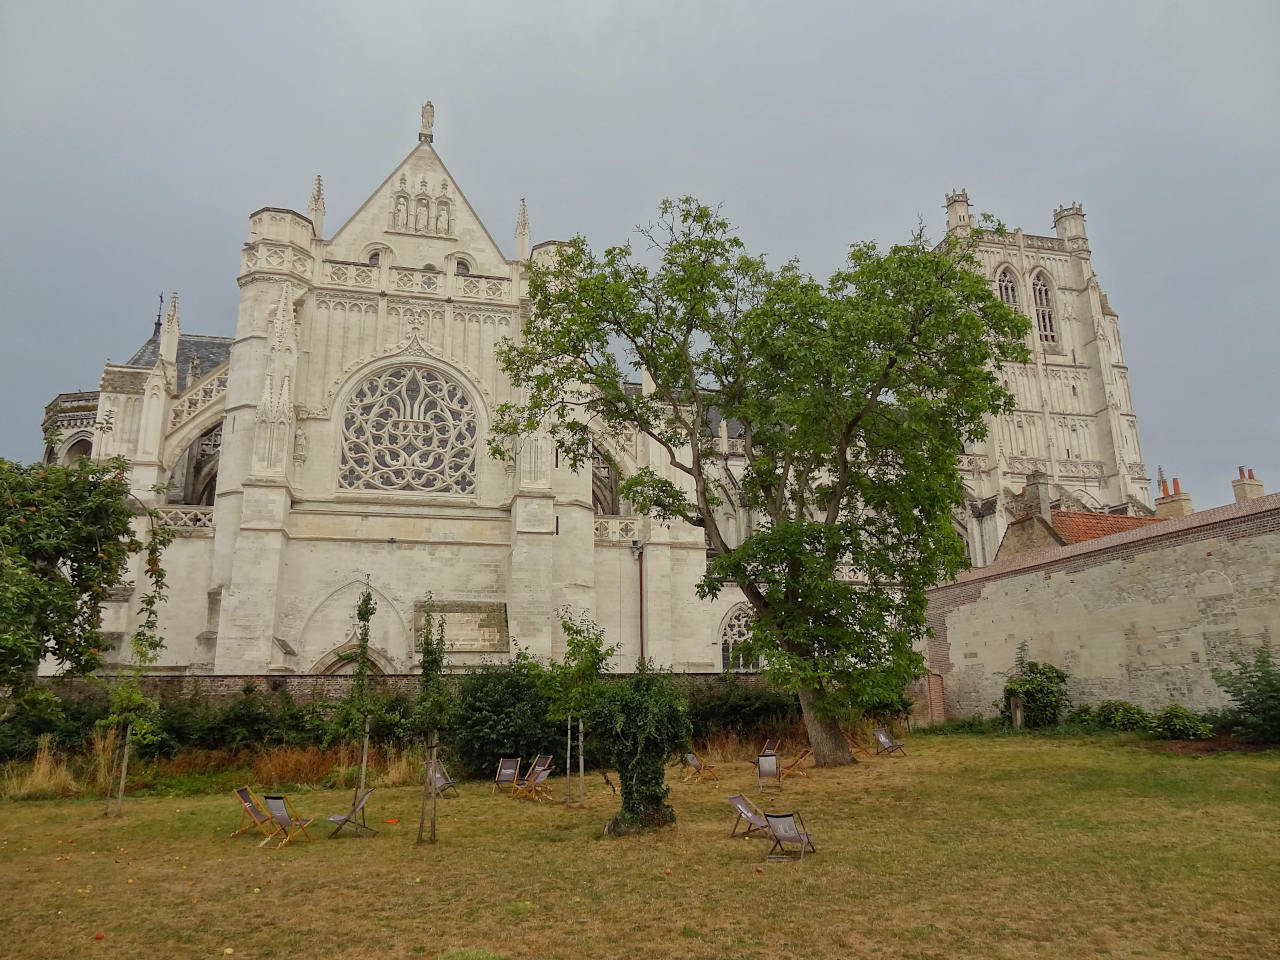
(338,439)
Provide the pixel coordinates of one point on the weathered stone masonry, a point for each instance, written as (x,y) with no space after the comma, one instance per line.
(1142,615)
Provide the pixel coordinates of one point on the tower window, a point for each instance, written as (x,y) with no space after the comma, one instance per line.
(1044,310)
(464,268)
(375,258)
(1007,288)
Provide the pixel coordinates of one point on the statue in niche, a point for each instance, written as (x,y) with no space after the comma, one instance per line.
(424,217)
(402,213)
(300,445)
(442,219)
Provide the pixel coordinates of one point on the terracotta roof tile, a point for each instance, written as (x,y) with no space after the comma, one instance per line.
(1074,526)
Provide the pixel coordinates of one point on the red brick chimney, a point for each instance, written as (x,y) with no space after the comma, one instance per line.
(1176,504)
(1246,487)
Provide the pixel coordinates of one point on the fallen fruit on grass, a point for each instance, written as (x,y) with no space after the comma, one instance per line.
(417,879)
(668,873)
(759,869)
(99,936)
(257,890)
(229,950)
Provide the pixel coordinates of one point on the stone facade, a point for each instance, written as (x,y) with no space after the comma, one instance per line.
(1143,615)
(337,438)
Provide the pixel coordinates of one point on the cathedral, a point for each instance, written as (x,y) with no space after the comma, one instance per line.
(337,441)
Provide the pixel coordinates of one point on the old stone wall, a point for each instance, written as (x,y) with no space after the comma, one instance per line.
(1143,615)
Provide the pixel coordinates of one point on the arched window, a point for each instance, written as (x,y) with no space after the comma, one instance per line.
(1044,310)
(409,429)
(375,258)
(604,484)
(1008,288)
(463,268)
(737,628)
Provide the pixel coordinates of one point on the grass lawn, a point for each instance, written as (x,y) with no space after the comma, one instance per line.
(970,847)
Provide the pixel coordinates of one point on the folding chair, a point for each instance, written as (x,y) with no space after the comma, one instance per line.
(748,811)
(536,787)
(252,810)
(542,760)
(771,745)
(887,743)
(349,819)
(287,821)
(788,828)
(767,772)
(698,768)
(855,747)
(440,779)
(508,773)
(796,766)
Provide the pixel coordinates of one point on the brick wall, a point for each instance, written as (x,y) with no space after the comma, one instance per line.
(1142,615)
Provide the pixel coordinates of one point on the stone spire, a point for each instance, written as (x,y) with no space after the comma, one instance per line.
(170,330)
(316,209)
(522,232)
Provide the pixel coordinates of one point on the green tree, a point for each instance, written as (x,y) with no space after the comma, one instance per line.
(355,713)
(646,719)
(574,685)
(432,707)
(853,398)
(1254,686)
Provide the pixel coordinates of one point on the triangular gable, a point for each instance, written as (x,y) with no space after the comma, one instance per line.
(376,221)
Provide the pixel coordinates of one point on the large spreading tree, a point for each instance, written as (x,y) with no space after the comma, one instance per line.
(851,398)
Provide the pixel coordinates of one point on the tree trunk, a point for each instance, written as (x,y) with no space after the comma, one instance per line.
(830,748)
(582,767)
(568,759)
(364,760)
(422,812)
(434,792)
(124,768)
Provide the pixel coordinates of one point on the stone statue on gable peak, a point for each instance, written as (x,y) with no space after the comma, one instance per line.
(428,120)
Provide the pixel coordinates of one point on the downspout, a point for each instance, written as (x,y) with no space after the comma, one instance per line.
(637,551)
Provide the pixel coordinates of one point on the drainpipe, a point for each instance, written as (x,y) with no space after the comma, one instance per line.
(637,551)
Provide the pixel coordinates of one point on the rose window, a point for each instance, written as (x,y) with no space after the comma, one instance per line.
(409,429)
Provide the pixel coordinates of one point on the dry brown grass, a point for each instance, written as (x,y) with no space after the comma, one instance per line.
(47,778)
(968,848)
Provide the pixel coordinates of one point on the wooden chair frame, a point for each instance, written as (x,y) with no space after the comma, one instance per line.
(349,819)
(504,766)
(796,766)
(292,825)
(536,787)
(253,810)
(783,828)
(698,769)
(748,811)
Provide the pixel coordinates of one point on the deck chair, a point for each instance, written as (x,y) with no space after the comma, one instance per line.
(788,828)
(748,811)
(508,773)
(887,743)
(536,787)
(441,780)
(698,768)
(253,814)
(796,766)
(349,819)
(767,772)
(855,746)
(539,762)
(287,821)
(771,745)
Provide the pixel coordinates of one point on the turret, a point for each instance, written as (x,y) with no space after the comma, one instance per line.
(1069,222)
(959,219)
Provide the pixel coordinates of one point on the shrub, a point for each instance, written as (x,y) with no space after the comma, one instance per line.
(1122,715)
(501,712)
(749,712)
(1176,722)
(1255,688)
(1082,716)
(645,720)
(1043,689)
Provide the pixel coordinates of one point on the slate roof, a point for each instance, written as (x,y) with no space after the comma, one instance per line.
(1076,526)
(211,351)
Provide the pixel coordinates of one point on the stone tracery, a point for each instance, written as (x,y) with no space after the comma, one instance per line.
(409,429)
(736,629)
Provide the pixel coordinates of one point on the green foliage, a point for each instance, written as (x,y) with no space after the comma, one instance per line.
(359,703)
(1043,689)
(574,684)
(502,711)
(66,538)
(645,720)
(1176,722)
(1122,715)
(853,396)
(434,704)
(1254,686)
(747,711)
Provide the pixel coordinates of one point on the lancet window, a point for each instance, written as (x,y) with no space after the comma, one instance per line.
(1044,310)
(736,630)
(1007,287)
(409,429)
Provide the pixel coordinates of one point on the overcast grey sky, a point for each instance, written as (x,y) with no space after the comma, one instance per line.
(137,137)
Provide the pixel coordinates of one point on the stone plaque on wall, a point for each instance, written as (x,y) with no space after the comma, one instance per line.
(472,626)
